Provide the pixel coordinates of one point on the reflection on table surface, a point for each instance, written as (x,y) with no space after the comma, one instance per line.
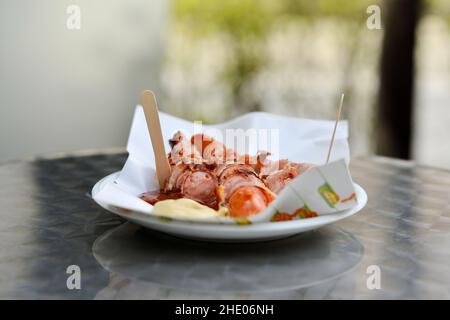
(49,222)
(189,266)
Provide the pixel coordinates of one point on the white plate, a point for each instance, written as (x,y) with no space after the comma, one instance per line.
(234,233)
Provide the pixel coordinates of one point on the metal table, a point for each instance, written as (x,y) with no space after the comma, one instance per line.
(398,247)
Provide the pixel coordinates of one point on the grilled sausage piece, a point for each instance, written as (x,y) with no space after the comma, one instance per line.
(201,186)
(241,190)
(183,151)
(249,200)
(278,179)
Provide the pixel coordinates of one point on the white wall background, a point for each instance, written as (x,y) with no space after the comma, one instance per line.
(65,90)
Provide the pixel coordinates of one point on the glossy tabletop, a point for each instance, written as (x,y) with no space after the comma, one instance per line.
(398,247)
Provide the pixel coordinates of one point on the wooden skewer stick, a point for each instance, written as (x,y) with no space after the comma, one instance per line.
(335,127)
(163,170)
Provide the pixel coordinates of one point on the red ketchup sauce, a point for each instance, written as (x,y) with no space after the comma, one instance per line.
(153,197)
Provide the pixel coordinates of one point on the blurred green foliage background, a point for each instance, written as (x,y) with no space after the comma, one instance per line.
(295,57)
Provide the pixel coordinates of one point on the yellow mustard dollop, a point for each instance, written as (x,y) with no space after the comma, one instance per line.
(186,209)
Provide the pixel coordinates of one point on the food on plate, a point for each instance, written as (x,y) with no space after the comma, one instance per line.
(207,178)
(241,190)
(277,179)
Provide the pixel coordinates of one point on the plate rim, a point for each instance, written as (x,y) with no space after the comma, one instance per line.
(288,226)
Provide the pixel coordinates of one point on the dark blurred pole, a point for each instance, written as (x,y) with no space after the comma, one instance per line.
(395,109)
